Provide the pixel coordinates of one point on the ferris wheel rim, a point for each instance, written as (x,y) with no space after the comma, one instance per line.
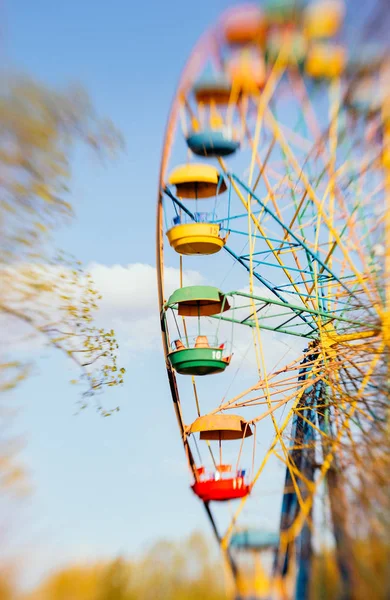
(172,122)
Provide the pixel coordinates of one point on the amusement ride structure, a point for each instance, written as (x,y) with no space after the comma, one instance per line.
(273,210)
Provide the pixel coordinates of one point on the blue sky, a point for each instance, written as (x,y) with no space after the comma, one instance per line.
(107,486)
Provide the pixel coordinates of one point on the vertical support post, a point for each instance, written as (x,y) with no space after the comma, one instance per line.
(338,509)
(302,456)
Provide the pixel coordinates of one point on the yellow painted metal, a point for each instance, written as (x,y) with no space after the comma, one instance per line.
(325,60)
(215,119)
(279,431)
(385,317)
(221,427)
(253,582)
(385,77)
(316,201)
(196,180)
(195,125)
(297,525)
(329,336)
(196,238)
(386,158)
(358,335)
(262,581)
(323,19)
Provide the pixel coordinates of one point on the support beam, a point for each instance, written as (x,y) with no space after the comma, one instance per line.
(338,510)
(297,555)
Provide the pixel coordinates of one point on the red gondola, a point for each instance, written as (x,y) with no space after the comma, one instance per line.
(212,488)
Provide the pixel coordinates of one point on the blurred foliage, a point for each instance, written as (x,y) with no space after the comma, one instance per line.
(192,570)
(168,571)
(46,298)
(44,293)
(371,578)
(7,584)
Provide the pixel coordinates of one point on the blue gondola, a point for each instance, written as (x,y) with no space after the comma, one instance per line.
(213,142)
(254,539)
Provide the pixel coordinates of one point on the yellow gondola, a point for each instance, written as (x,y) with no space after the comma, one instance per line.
(323,19)
(197,181)
(193,239)
(325,61)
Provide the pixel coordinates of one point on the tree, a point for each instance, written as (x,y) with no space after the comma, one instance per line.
(76,583)
(116,582)
(168,571)
(45,293)
(45,296)
(7,588)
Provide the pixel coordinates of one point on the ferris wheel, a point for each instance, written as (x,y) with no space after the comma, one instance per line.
(273,212)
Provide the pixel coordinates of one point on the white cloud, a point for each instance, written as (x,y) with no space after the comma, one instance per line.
(131,290)
(130,305)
